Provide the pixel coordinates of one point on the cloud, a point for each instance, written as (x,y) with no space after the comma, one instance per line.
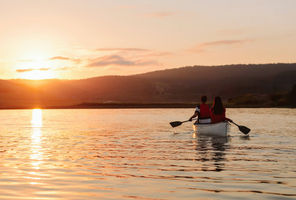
(202,46)
(32,69)
(59,58)
(24,70)
(119,61)
(110,60)
(223,42)
(43,69)
(122,49)
(76,60)
(140,52)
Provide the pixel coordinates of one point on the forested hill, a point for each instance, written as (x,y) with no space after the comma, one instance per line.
(239,85)
(228,81)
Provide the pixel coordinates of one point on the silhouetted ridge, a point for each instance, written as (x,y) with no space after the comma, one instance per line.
(267,85)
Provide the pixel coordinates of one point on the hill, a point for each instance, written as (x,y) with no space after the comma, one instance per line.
(239,85)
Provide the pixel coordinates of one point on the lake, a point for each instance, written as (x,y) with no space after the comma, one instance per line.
(135,154)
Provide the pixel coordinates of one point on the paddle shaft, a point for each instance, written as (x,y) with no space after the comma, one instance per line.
(234,123)
(178,123)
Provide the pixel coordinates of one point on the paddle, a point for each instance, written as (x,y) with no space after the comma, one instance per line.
(243,129)
(177,123)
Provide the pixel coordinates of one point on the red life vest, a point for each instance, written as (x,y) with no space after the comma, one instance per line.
(204,111)
(217,118)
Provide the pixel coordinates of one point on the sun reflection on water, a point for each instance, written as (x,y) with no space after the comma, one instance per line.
(36,118)
(36,148)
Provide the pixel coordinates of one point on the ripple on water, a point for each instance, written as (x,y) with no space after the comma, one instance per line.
(91,154)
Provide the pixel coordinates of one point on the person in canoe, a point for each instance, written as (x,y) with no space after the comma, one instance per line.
(202,111)
(218,111)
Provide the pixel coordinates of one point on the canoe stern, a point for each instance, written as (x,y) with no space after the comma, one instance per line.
(217,129)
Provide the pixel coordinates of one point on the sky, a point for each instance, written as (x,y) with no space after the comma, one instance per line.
(76,39)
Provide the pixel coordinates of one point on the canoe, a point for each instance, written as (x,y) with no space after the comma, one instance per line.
(217,129)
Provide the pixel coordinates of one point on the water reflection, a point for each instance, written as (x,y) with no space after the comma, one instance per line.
(36,118)
(107,158)
(36,148)
(244,137)
(211,151)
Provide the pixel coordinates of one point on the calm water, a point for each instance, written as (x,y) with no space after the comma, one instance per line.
(135,154)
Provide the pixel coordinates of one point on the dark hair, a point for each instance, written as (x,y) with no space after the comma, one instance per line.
(218,106)
(204,99)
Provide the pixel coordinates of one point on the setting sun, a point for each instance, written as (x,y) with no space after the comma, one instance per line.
(36,68)
(38,74)
(33,59)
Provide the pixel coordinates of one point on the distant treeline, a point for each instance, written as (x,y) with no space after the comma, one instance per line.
(284,99)
(265,85)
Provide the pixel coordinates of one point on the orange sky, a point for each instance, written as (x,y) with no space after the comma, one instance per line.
(75,39)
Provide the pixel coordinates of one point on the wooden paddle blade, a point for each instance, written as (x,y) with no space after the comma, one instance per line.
(244,129)
(175,123)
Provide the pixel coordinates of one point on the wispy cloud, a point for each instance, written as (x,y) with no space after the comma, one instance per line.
(24,70)
(112,57)
(122,56)
(119,61)
(202,46)
(76,60)
(139,52)
(32,69)
(59,58)
(223,42)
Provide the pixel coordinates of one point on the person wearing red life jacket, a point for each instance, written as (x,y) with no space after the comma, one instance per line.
(202,111)
(218,111)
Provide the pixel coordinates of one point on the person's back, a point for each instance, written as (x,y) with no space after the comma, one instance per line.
(202,111)
(217,111)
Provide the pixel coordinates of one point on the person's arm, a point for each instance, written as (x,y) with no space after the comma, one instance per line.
(196,113)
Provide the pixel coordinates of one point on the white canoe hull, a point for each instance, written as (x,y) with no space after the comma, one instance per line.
(217,129)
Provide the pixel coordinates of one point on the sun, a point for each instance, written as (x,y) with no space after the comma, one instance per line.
(36,69)
(33,61)
(38,75)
